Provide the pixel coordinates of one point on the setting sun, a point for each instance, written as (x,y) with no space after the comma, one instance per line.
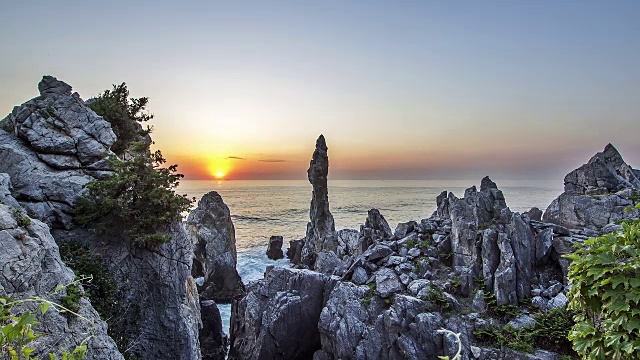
(219,174)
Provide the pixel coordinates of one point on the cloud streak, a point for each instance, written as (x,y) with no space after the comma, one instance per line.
(234,158)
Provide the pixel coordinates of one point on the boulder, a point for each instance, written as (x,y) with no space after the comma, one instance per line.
(212,232)
(320,234)
(596,194)
(31,266)
(274,249)
(213,341)
(278,317)
(294,252)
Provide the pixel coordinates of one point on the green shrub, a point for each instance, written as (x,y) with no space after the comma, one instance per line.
(137,199)
(369,294)
(21,219)
(124,114)
(71,300)
(605,294)
(552,330)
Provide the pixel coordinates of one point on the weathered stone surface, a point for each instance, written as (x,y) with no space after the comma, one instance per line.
(387,282)
(534,214)
(157,287)
(274,249)
(596,194)
(379,224)
(348,243)
(31,266)
(403,229)
(213,341)
(321,234)
(294,252)
(58,123)
(278,317)
(211,230)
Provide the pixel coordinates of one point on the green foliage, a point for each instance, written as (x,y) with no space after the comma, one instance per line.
(369,294)
(516,339)
(411,243)
(17,328)
(124,114)
(102,288)
(50,111)
(21,219)
(139,197)
(71,300)
(435,296)
(605,293)
(552,330)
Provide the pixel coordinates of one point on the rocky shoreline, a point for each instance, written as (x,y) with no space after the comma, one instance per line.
(472,267)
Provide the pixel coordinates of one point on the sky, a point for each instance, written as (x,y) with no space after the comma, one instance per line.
(400,89)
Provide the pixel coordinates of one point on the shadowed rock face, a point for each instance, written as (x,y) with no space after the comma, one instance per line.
(31,266)
(278,317)
(321,229)
(596,194)
(213,233)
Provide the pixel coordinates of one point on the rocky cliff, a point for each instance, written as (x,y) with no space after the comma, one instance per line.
(213,234)
(596,194)
(54,146)
(31,266)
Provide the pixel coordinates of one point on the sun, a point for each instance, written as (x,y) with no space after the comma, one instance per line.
(219,174)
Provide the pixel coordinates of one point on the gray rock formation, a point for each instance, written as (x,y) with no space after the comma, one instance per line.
(212,232)
(274,249)
(278,317)
(31,266)
(596,194)
(213,341)
(60,128)
(294,252)
(160,304)
(321,234)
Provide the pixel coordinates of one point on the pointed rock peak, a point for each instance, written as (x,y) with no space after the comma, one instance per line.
(610,153)
(51,85)
(487,184)
(321,143)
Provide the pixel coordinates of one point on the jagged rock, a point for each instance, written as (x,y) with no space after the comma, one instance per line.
(377,252)
(213,341)
(544,244)
(157,286)
(59,125)
(321,233)
(327,262)
(505,275)
(558,301)
(31,266)
(274,250)
(387,282)
(442,205)
(378,224)
(294,252)
(359,276)
(403,229)
(596,194)
(522,321)
(278,317)
(534,214)
(211,230)
(349,244)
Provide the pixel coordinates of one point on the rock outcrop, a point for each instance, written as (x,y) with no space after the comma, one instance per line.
(31,266)
(278,317)
(213,341)
(320,234)
(211,230)
(596,194)
(274,249)
(55,145)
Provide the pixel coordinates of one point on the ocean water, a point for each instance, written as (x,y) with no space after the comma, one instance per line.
(260,209)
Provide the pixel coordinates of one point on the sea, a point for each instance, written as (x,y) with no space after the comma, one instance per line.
(263,208)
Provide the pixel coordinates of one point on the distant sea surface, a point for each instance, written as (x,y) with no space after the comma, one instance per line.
(261,209)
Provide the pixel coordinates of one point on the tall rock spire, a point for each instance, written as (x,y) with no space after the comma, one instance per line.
(321,234)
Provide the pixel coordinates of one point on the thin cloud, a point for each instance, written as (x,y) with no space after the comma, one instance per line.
(273,160)
(235,158)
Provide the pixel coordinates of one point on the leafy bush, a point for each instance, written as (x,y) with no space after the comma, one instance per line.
(125,115)
(17,328)
(516,339)
(21,219)
(605,293)
(137,199)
